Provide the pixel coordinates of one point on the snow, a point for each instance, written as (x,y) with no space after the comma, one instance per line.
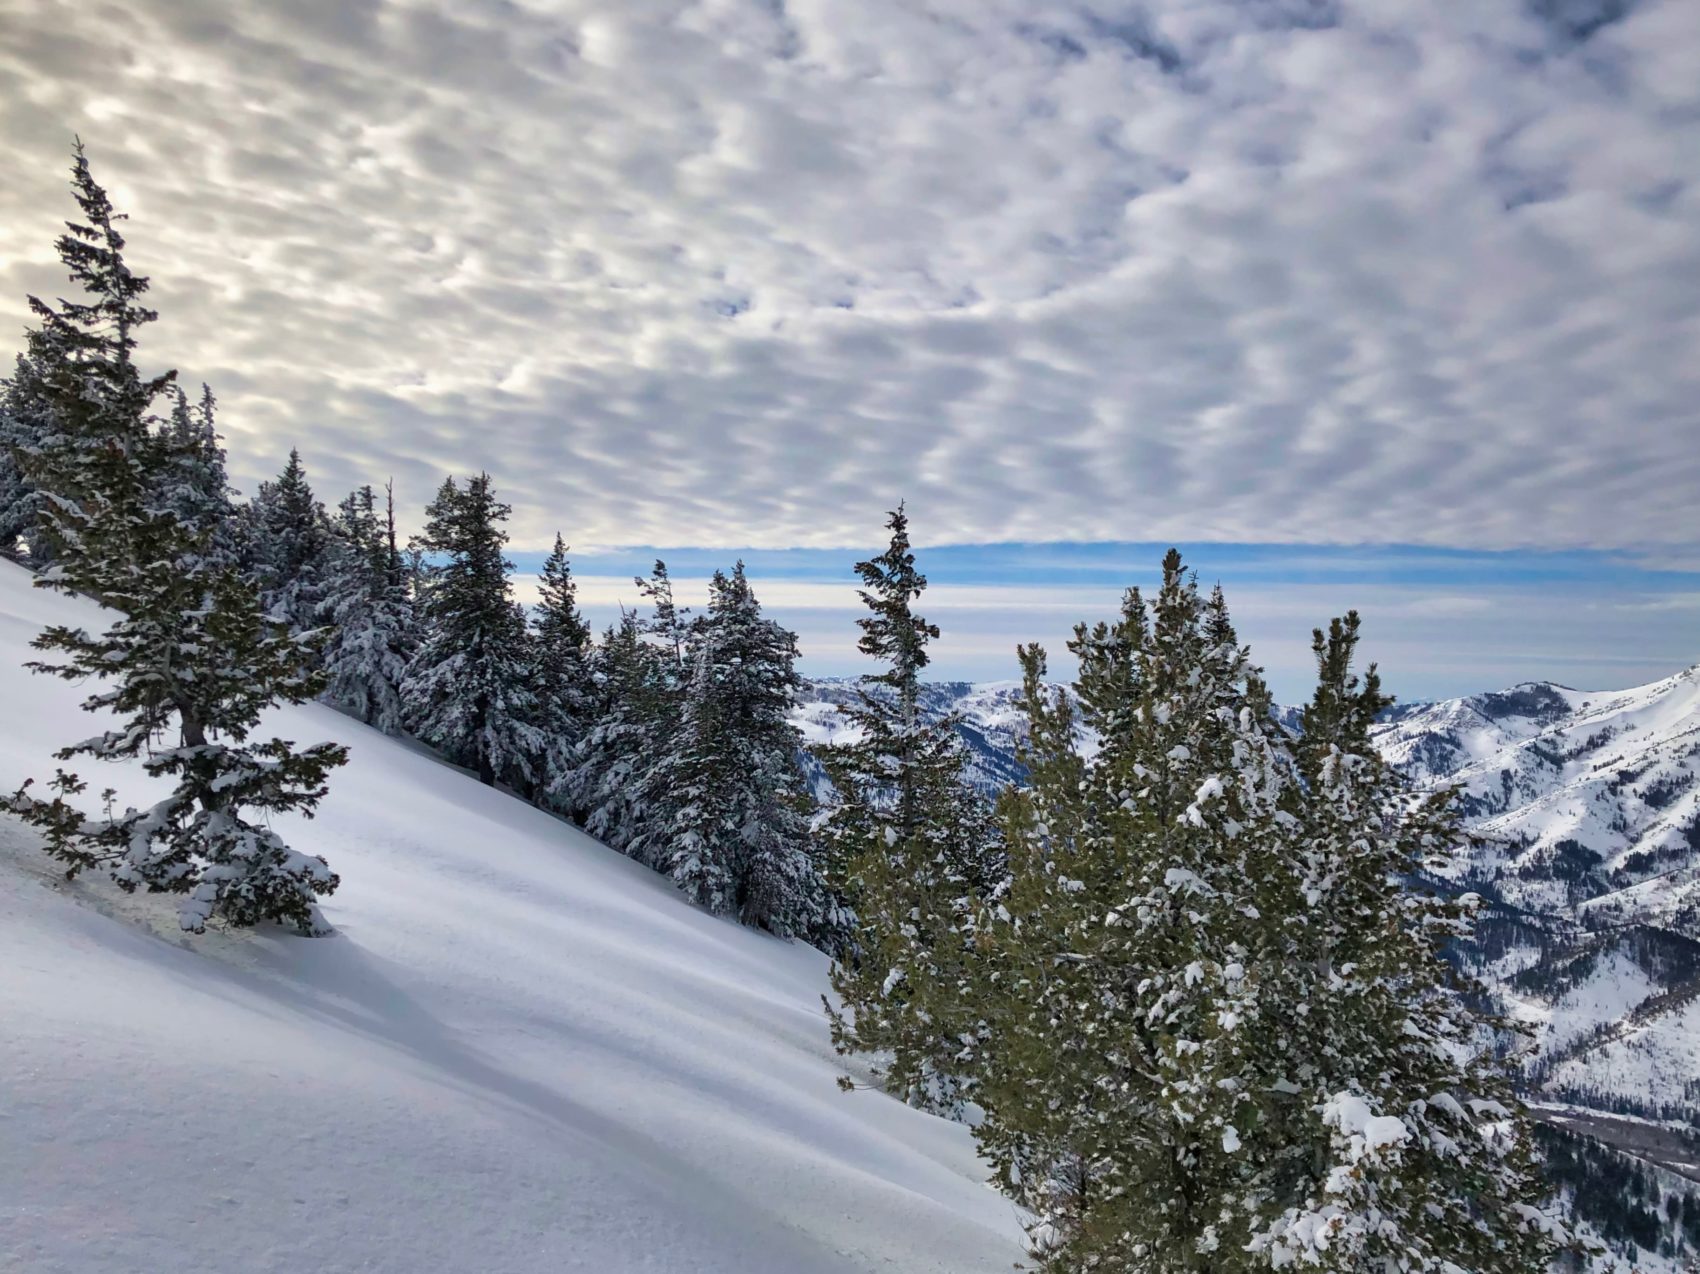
(520,1052)
(1369,1132)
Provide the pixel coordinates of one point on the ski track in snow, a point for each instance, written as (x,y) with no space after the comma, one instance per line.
(520,1052)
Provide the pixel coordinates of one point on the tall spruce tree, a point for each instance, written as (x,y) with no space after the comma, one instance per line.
(914,852)
(187,650)
(1121,1082)
(560,642)
(196,487)
(633,714)
(670,624)
(468,688)
(370,613)
(290,546)
(26,426)
(1404,1146)
(732,809)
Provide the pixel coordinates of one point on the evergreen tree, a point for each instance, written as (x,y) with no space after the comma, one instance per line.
(1219,1033)
(731,824)
(669,623)
(468,689)
(26,426)
(633,714)
(367,603)
(1407,1148)
(196,488)
(1121,1081)
(914,852)
(290,546)
(187,649)
(560,644)
(637,684)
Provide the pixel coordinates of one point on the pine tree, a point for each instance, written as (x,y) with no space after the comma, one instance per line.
(561,646)
(637,682)
(1219,1033)
(633,714)
(731,826)
(290,544)
(26,425)
(1408,1149)
(371,614)
(468,688)
(187,648)
(914,851)
(1121,1080)
(196,488)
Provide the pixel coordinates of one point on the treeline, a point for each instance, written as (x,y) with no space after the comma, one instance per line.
(669,737)
(1182,984)
(1623,1199)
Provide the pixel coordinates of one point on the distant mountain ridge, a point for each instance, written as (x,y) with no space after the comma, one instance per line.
(1587,805)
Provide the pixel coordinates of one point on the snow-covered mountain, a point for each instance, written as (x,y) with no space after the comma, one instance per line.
(993,723)
(1589,801)
(1587,804)
(1588,809)
(520,1052)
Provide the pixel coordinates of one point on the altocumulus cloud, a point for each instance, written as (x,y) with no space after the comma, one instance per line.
(746,271)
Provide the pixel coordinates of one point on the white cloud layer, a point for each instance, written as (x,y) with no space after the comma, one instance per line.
(747,271)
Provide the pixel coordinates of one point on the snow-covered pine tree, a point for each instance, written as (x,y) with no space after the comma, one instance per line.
(560,643)
(196,487)
(290,545)
(370,613)
(637,682)
(25,426)
(468,689)
(1406,1149)
(914,852)
(634,711)
(731,809)
(1121,1080)
(187,650)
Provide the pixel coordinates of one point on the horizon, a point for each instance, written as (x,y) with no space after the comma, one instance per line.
(1441,623)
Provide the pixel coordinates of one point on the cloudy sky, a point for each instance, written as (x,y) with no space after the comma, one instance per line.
(1276,279)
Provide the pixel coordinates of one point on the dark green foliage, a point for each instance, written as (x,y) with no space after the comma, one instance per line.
(633,712)
(195,487)
(914,853)
(1387,1021)
(26,426)
(1620,1197)
(1122,975)
(1219,1032)
(289,547)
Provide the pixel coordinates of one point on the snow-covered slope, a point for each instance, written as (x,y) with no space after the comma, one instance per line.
(520,1052)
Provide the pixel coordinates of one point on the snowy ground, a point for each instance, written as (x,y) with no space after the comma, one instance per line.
(521,1052)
